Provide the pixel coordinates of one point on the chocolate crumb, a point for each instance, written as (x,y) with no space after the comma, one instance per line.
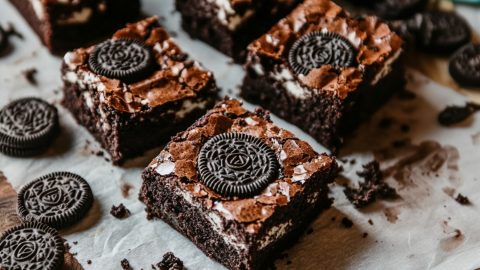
(125,264)
(126,189)
(75,242)
(89,261)
(370,222)
(170,262)
(452,115)
(364,235)
(120,211)
(347,223)
(372,187)
(30,75)
(99,153)
(463,200)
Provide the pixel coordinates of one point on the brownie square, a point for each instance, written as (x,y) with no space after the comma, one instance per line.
(64,25)
(160,94)
(324,71)
(230,25)
(238,186)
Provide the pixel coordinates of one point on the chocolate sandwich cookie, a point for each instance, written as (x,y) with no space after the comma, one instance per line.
(464,65)
(439,32)
(128,60)
(57,199)
(32,246)
(237,164)
(27,126)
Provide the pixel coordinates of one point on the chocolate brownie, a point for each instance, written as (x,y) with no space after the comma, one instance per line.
(230,25)
(324,71)
(64,25)
(135,90)
(238,186)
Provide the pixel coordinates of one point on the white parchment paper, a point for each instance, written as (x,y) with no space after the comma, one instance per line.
(424,229)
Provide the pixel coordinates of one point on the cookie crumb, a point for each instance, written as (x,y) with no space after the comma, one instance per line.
(347,223)
(370,222)
(463,200)
(364,235)
(89,261)
(119,211)
(170,262)
(30,76)
(125,264)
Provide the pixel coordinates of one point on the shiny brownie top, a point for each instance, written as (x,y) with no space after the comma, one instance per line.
(139,68)
(367,41)
(296,161)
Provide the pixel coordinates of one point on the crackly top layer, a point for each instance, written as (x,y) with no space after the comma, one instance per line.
(297,159)
(176,78)
(375,43)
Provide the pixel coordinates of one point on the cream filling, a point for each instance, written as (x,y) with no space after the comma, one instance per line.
(38,8)
(274,233)
(77,17)
(387,67)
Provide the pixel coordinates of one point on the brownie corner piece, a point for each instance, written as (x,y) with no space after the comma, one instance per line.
(238,186)
(230,25)
(64,25)
(323,70)
(135,90)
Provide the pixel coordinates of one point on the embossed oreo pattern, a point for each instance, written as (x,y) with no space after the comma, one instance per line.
(31,246)
(27,123)
(58,199)
(237,164)
(316,49)
(464,66)
(124,59)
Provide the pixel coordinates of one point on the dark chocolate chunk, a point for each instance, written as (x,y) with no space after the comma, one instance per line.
(441,32)
(128,60)
(170,262)
(33,246)
(396,9)
(119,211)
(452,115)
(28,123)
(464,66)
(57,199)
(316,49)
(237,164)
(373,186)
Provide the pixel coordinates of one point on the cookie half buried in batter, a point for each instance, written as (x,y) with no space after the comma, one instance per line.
(464,66)
(27,126)
(58,199)
(32,246)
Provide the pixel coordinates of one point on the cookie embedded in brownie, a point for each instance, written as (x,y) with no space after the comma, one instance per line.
(324,71)
(230,25)
(135,90)
(238,186)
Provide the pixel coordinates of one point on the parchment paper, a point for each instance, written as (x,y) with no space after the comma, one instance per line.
(424,229)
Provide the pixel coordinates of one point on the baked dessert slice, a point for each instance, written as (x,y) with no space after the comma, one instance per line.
(64,25)
(324,71)
(230,25)
(238,186)
(135,90)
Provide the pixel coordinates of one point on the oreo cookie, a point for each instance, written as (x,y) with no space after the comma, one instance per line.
(237,164)
(464,65)
(127,60)
(316,49)
(27,126)
(440,32)
(32,246)
(398,9)
(57,199)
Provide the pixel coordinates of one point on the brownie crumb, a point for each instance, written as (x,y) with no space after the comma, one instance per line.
(370,222)
(125,188)
(347,223)
(372,187)
(364,235)
(30,75)
(125,264)
(75,242)
(89,261)
(463,200)
(120,211)
(452,115)
(170,262)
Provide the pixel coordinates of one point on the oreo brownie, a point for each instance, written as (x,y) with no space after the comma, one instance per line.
(324,71)
(238,186)
(64,25)
(135,90)
(230,25)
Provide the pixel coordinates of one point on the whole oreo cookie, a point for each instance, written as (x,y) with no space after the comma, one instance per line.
(237,164)
(128,60)
(27,125)
(398,9)
(464,66)
(316,49)
(31,246)
(440,32)
(58,199)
